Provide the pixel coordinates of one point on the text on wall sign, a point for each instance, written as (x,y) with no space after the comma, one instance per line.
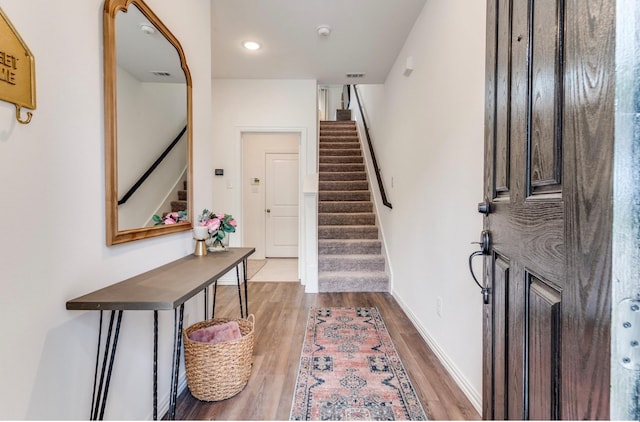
(17,70)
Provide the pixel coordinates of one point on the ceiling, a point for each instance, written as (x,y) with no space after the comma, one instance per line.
(147,56)
(366,37)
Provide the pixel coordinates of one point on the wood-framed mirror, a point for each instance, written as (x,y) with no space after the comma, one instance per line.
(148,125)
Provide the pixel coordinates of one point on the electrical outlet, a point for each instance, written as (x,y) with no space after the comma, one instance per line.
(439,306)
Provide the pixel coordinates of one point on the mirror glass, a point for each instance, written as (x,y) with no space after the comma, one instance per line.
(147,130)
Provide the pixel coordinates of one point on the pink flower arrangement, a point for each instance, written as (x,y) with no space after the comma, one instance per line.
(170,218)
(218,224)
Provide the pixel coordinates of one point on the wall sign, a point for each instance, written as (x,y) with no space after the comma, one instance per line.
(17,70)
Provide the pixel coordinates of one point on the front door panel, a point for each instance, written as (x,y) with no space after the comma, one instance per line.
(528,345)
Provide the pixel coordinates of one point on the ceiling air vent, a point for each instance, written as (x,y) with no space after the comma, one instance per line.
(160,73)
(355,75)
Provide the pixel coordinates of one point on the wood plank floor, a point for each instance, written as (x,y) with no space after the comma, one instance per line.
(281,311)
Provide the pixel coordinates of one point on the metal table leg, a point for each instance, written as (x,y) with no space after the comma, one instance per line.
(239,293)
(215,290)
(177,345)
(206,302)
(246,292)
(95,374)
(155,365)
(99,400)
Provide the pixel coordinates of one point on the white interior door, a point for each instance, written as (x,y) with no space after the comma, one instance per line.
(281,205)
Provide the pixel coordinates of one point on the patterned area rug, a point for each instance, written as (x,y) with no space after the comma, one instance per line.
(350,370)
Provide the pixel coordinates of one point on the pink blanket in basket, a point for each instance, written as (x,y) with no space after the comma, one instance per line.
(217,333)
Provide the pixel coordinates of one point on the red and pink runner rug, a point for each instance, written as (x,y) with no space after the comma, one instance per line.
(350,370)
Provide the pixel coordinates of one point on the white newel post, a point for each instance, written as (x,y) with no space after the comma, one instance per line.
(310,271)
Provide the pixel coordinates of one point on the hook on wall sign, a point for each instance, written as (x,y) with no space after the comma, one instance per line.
(17,70)
(19,115)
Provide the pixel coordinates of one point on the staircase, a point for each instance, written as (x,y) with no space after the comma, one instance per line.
(181,203)
(349,251)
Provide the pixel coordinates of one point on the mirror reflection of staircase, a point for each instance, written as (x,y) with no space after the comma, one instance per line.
(181,203)
(178,204)
(349,246)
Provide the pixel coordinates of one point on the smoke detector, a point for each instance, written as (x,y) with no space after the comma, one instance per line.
(147,28)
(324,30)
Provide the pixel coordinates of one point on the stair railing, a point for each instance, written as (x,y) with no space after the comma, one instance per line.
(150,170)
(385,201)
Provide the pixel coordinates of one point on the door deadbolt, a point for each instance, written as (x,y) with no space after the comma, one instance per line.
(484,207)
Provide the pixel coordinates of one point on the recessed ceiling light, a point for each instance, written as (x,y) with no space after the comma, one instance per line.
(251,45)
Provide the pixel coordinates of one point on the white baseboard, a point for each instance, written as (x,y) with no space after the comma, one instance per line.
(472,394)
(228,282)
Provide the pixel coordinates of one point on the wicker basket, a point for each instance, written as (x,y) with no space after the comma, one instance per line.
(218,371)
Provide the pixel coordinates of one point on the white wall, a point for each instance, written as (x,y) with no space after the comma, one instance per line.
(261,106)
(430,142)
(53,232)
(374,104)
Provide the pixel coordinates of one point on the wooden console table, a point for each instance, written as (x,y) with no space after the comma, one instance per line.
(163,288)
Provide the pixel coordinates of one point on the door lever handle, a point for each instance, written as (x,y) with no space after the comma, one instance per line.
(484,250)
(483,290)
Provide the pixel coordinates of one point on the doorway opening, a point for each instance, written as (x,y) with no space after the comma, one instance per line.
(330,99)
(271,193)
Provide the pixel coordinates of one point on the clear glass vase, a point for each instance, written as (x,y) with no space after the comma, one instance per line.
(217,245)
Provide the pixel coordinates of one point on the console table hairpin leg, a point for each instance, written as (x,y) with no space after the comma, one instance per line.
(239,294)
(99,398)
(246,297)
(101,387)
(246,293)
(177,346)
(155,365)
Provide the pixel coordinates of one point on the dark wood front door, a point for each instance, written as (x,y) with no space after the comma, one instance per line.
(548,177)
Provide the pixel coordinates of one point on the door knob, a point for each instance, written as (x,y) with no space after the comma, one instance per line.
(485,242)
(484,207)
(268,210)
